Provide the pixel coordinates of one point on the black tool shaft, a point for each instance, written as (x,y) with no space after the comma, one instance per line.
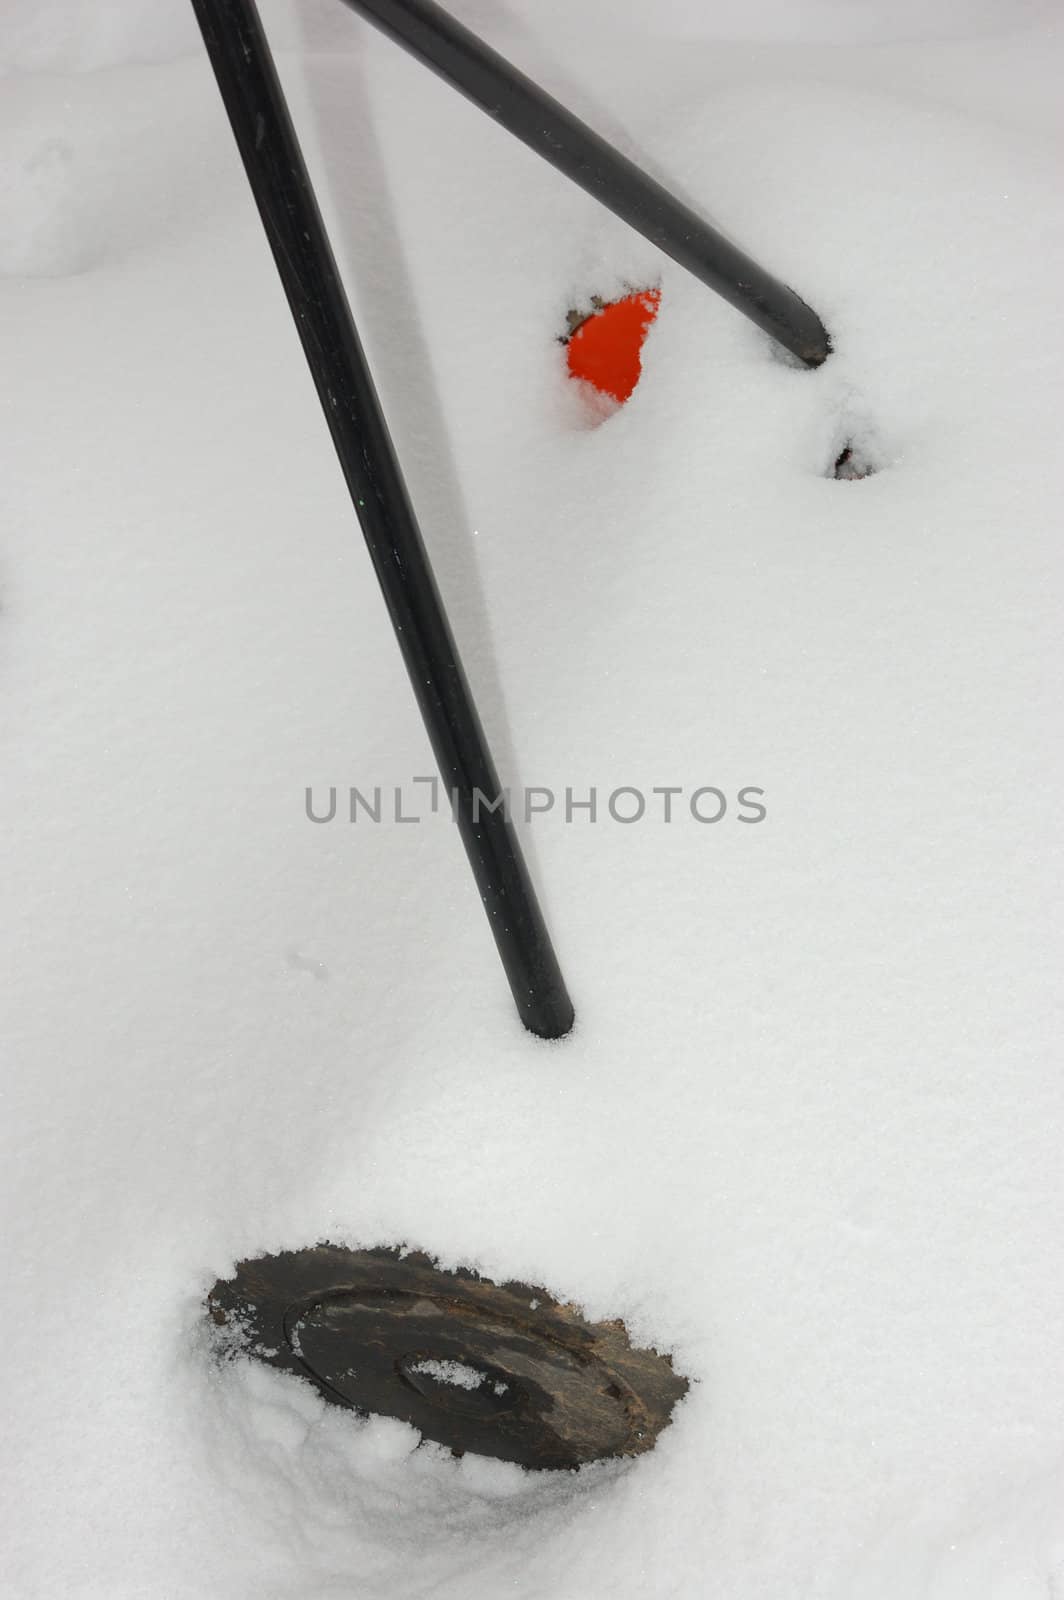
(254,100)
(431,34)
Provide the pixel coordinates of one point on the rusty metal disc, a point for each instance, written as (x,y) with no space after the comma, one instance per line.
(501,1370)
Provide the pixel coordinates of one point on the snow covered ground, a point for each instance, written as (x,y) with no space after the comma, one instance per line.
(807,1135)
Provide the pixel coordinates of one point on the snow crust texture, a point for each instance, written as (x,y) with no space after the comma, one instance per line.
(807,1135)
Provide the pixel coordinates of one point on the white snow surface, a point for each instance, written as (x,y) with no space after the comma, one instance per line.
(807,1134)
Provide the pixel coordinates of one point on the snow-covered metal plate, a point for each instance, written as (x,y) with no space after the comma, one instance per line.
(501,1370)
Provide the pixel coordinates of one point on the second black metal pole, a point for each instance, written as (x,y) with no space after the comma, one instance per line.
(254,100)
(445,45)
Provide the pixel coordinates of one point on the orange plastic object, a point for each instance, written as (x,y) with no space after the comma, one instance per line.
(604,350)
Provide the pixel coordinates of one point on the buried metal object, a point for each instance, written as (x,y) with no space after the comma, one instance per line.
(500,1370)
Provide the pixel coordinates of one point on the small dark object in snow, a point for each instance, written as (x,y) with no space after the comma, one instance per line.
(501,1370)
(850,465)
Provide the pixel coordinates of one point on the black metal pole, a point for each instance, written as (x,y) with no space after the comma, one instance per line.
(254,100)
(431,34)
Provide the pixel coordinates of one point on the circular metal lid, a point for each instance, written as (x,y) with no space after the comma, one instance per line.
(502,1370)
